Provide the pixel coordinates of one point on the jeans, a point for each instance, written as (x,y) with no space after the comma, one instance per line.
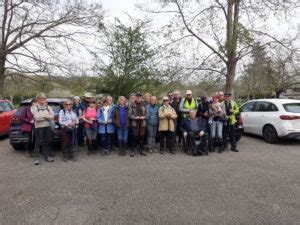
(107,141)
(43,137)
(122,134)
(216,127)
(151,134)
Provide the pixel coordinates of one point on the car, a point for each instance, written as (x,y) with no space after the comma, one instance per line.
(6,113)
(273,119)
(17,138)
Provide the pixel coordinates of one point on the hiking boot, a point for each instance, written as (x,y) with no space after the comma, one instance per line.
(36,162)
(143,154)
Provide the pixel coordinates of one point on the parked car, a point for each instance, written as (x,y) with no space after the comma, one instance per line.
(6,113)
(273,119)
(17,139)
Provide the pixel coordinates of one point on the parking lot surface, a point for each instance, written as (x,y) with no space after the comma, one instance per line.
(258,185)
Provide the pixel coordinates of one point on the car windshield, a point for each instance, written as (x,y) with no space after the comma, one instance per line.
(54,105)
(292,107)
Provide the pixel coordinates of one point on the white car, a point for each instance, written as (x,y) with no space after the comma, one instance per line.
(272,119)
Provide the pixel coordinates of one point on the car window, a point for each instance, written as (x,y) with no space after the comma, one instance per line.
(5,107)
(248,107)
(265,107)
(54,105)
(292,107)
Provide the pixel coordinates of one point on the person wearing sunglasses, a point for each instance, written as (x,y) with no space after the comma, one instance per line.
(91,126)
(68,121)
(167,116)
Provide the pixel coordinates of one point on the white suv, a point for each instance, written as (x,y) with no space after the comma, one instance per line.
(272,118)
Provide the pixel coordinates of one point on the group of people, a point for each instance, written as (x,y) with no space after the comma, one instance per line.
(136,123)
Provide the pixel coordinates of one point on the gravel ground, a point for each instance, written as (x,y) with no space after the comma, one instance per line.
(258,185)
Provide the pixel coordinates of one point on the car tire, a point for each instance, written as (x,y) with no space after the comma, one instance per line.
(18,147)
(270,134)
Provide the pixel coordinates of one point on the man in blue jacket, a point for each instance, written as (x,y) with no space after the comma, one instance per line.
(192,128)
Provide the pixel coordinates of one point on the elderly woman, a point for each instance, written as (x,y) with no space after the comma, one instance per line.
(106,126)
(78,110)
(43,118)
(68,120)
(167,116)
(121,120)
(152,123)
(91,126)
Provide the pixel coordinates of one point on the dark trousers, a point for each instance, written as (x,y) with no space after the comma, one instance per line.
(192,142)
(80,134)
(107,141)
(178,132)
(229,132)
(43,137)
(169,136)
(68,139)
(138,142)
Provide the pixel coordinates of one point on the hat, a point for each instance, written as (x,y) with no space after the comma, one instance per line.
(165,98)
(76,97)
(40,95)
(138,94)
(227,94)
(189,92)
(88,95)
(132,94)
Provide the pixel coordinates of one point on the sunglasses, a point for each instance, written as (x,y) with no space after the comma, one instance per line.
(68,104)
(166,100)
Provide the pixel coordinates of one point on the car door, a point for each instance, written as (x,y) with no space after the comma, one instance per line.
(6,117)
(246,113)
(263,113)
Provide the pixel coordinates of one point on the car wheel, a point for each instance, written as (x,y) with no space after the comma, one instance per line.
(270,134)
(18,147)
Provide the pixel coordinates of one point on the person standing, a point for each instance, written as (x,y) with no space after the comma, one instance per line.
(167,116)
(106,126)
(27,126)
(152,123)
(78,110)
(137,114)
(175,104)
(91,126)
(43,118)
(216,119)
(187,104)
(232,110)
(68,121)
(121,121)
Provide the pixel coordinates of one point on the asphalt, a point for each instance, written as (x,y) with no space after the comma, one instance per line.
(258,185)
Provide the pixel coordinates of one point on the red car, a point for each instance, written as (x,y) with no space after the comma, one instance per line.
(6,114)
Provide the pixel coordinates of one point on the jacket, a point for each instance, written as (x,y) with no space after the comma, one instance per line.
(39,113)
(164,123)
(116,119)
(186,125)
(26,118)
(235,109)
(152,115)
(105,128)
(133,114)
(185,107)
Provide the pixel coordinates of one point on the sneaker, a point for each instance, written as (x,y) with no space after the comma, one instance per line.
(143,154)
(107,153)
(36,162)
(65,160)
(161,152)
(234,149)
(49,159)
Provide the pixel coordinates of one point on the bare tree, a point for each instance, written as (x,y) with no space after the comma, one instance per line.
(227,28)
(36,34)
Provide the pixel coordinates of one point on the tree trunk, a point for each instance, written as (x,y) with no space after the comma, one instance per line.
(231,67)
(2,75)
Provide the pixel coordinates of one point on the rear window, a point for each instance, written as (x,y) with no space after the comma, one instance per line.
(55,107)
(292,107)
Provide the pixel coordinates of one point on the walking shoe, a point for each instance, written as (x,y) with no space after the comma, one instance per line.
(234,149)
(36,162)
(161,152)
(150,150)
(143,154)
(132,154)
(103,153)
(107,153)
(172,152)
(65,159)
(49,159)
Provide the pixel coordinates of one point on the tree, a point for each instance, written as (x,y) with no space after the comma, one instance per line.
(131,65)
(35,35)
(226,28)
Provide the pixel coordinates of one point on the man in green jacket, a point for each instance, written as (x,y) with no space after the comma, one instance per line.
(232,110)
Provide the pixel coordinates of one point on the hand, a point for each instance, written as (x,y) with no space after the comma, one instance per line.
(201,133)
(90,121)
(205,114)
(230,110)
(142,117)
(185,134)
(105,122)
(137,117)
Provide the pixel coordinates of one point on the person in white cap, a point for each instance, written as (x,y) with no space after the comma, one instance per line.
(187,104)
